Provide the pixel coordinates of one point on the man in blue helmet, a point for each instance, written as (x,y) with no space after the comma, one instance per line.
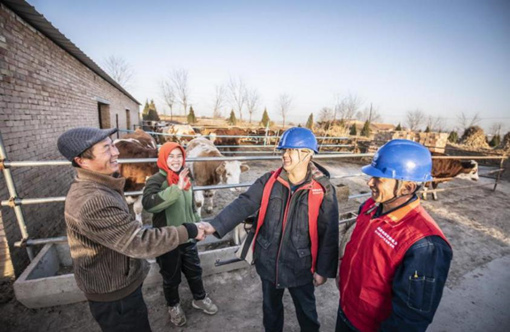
(296,238)
(396,263)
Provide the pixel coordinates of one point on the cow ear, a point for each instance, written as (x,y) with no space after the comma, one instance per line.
(244,167)
(220,169)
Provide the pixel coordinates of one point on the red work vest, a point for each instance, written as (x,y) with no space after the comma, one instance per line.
(315,197)
(377,247)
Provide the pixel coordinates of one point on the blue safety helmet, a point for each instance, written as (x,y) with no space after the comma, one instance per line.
(401,159)
(298,138)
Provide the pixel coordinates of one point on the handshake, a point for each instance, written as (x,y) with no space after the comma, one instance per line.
(204,228)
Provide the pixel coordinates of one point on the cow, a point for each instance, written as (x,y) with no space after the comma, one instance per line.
(136,145)
(443,170)
(178,133)
(208,173)
(218,140)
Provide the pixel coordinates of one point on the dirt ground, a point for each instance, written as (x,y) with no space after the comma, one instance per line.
(475,220)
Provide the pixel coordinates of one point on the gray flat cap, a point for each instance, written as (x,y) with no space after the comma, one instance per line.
(75,141)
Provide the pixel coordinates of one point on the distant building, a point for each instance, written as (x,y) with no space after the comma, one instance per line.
(47,85)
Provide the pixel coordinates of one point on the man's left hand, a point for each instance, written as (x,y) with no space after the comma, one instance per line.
(318,280)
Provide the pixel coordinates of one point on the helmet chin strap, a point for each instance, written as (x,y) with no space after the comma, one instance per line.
(397,188)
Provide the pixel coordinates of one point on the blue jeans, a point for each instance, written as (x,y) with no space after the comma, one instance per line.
(183,258)
(124,315)
(304,302)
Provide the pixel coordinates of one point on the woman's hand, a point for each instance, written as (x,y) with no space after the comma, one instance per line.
(183,178)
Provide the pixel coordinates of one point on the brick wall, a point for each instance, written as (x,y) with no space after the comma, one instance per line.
(43,92)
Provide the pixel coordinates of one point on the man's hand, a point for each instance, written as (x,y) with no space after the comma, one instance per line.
(183,178)
(208,228)
(201,233)
(318,280)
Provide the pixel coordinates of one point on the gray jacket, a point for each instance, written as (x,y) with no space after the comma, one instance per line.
(108,245)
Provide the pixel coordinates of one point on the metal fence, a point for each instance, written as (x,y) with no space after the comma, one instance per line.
(15,202)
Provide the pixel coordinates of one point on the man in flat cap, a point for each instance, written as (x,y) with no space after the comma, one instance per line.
(108,246)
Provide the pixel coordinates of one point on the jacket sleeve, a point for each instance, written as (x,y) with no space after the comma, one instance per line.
(241,208)
(156,200)
(418,285)
(106,222)
(327,227)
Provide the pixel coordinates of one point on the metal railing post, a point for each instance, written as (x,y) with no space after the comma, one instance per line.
(13,196)
(499,173)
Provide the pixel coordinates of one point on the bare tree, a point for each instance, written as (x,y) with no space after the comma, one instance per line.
(119,69)
(414,119)
(465,122)
(351,105)
(326,114)
(252,101)
(435,123)
(168,95)
(369,114)
(496,129)
(219,101)
(179,79)
(284,103)
(237,94)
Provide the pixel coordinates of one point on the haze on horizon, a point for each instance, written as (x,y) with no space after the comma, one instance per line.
(443,58)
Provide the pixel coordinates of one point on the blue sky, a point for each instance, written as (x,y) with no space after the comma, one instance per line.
(443,57)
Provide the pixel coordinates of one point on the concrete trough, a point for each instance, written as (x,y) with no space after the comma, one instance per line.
(45,282)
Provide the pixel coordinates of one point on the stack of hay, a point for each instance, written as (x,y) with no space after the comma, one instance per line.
(474,137)
(436,142)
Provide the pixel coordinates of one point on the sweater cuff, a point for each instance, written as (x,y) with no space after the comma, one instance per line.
(192,230)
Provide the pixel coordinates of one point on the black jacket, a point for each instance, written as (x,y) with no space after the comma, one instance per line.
(287,261)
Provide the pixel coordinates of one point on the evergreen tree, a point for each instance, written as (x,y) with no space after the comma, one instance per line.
(399,127)
(265,119)
(495,141)
(453,137)
(152,106)
(427,130)
(365,131)
(232,120)
(152,116)
(145,111)
(191,116)
(353,131)
(309,122)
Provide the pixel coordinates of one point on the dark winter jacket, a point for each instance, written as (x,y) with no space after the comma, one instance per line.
(285,259)
(108,245)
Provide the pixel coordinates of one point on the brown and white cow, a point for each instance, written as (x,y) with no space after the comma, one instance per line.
(208,173)
(178,133)
(443,170)
(136,145)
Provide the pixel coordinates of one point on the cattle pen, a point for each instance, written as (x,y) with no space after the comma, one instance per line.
(15,202)
(238,276)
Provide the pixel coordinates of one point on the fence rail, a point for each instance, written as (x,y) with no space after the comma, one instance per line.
(15,202)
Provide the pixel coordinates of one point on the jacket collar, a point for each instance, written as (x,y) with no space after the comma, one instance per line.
(114,182)
(399,213)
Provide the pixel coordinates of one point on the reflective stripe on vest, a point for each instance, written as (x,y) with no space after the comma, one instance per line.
(315,197)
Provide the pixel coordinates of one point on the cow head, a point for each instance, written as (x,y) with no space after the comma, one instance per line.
(469,170)
(230,172)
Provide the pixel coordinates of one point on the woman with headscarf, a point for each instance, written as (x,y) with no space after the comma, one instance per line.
(169,196)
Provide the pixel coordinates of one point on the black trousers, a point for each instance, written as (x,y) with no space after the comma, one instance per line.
(183,258)
(304,302)
(124,315)
(342,323)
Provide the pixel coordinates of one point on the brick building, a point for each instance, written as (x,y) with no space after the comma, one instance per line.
(47,86)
